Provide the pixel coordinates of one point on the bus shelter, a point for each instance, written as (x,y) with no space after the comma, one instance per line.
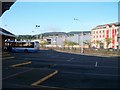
(4,36)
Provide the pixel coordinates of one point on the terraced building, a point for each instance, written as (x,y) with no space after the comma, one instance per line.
(106,36)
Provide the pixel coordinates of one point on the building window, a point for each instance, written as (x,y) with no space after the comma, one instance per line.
(96,32)
(112,46)
(107,31)
(115,31)
(107,34)
(103,31)
(103,36)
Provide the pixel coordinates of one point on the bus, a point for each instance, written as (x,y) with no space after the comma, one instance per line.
(22,46)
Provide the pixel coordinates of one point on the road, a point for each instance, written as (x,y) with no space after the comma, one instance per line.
(75,70)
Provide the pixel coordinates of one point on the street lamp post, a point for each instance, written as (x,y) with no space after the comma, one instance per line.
(56,41)
(37,26)
(33,34)
(82,42)
(81,38)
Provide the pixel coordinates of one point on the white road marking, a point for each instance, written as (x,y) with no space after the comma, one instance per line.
(16,74)
(70,59)
(96,64)
(56,55)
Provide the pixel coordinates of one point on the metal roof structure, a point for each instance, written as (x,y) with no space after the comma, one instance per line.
(6,33)
(5,5)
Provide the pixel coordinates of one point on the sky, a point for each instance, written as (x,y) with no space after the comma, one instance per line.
(23,17)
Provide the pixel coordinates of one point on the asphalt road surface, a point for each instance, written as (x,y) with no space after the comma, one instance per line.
(75,70)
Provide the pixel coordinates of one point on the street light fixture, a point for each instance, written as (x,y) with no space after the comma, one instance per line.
(38,26)
(81,38)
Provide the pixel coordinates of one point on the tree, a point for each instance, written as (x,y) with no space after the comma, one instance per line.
(65,42)
(70,43)
(87,43)
(44,43)
(98,42)
(24,37)
(108,41)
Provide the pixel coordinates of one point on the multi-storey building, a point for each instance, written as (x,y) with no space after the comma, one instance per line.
(119,38)
(101,33)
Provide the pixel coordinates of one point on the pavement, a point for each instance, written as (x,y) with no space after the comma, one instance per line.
(70,71)
(91,54)
(14,75)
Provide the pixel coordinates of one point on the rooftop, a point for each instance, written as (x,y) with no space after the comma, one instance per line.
(6,33)
(104,25)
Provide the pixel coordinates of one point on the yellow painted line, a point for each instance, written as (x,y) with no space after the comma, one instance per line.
(7,58)
(20,64)
(5,55)
(44,78)
(51,87)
